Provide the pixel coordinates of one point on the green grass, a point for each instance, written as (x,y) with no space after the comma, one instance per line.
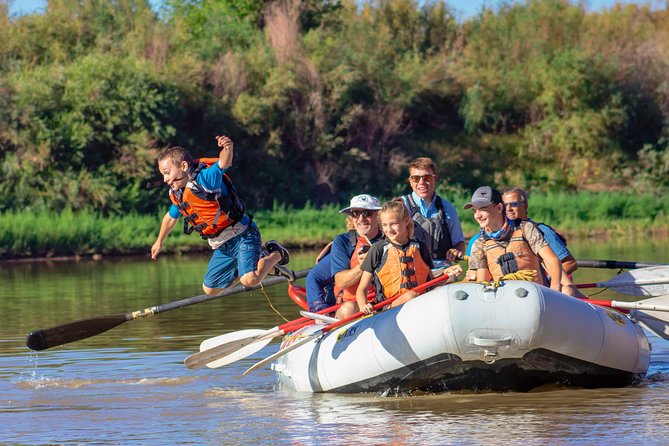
(86,233)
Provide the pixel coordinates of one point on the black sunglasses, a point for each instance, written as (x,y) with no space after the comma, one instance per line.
(366,214)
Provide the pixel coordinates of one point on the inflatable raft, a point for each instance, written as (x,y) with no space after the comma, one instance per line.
(471,336)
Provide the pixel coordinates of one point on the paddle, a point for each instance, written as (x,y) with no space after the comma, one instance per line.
(230,347)
(614,264)
(650,281)
(86,328)
(327,328)
(650,313)
(319,317)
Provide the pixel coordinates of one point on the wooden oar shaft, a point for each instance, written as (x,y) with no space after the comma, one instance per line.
(86,328)
(206,297)
(615,264)
(624,283)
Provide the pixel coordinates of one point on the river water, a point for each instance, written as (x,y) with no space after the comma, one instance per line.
(129,385)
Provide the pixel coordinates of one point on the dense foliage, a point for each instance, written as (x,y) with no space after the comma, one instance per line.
(326,98)
(581,217)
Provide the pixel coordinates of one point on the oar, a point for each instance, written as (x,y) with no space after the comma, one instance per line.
(615,264)
(318,333)
(319,317)
(86,328)
(651,313)
(230,347)
(650,281)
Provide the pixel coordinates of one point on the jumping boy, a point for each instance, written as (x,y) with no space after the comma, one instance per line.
(203,194)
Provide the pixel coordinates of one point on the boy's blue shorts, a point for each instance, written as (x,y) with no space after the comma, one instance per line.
(234,258)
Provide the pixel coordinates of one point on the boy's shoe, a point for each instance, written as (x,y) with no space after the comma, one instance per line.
(282,271)
(274,246)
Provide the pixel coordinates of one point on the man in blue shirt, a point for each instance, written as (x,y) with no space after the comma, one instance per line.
(436,221)
(516,204)
(350,248)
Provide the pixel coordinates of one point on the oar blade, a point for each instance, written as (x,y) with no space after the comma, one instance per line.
(654,321)
(72,331)
(651,281)
(319,317)
(230,347)
(240,353)
(310,338)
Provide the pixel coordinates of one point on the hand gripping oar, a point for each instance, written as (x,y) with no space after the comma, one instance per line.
(230,347)
(651,281)
(651,313)
(614,264)
(318,333)
(86,328)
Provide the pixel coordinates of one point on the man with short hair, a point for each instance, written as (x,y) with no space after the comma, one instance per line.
(436,220)
(350,248)
(516,204)
(506,246)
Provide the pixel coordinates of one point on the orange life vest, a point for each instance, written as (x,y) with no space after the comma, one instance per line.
(207,212)
(348,294)
(525,258)
(400,270)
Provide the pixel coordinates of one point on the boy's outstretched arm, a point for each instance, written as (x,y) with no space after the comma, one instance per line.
(166,227)
(227,151)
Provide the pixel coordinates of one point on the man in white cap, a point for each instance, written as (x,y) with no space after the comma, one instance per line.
(506,247)
(350,248)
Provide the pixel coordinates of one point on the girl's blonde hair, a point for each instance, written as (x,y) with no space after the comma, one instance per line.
(397,205)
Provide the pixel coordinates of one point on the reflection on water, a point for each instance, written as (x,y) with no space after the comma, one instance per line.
(129,385)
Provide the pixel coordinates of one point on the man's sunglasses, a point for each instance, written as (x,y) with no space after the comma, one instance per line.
(513,204)
(426,178)
(366,214)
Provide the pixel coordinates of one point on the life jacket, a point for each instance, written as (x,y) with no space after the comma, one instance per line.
(400,270)
(544,270)
(564,240)
(207,212)
(523,255)
(432,231)
(348,294)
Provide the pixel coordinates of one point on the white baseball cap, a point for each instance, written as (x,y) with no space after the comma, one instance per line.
(363,201)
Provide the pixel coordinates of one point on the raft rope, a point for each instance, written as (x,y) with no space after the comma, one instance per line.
(262,290)
(527,275)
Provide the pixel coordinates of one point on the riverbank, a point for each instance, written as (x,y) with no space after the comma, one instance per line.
(89,235)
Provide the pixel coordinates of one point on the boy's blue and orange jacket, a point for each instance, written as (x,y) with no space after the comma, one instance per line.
(207,212)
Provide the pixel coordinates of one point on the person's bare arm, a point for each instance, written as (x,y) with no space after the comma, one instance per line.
(361,293)
(166,227)
(349,277)
(553,267)
(569,264)
(226,153)
(483,275)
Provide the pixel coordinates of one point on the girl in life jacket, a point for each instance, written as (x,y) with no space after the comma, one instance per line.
(396,264)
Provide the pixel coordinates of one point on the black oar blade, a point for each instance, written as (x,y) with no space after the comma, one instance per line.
(73,331)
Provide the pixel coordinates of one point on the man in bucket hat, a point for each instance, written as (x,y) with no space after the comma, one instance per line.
(507,246)
(350,248)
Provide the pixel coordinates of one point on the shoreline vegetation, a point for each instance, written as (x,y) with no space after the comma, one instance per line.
(85,234)
(324,98)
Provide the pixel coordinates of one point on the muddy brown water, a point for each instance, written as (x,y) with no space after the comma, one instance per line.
(129,385)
